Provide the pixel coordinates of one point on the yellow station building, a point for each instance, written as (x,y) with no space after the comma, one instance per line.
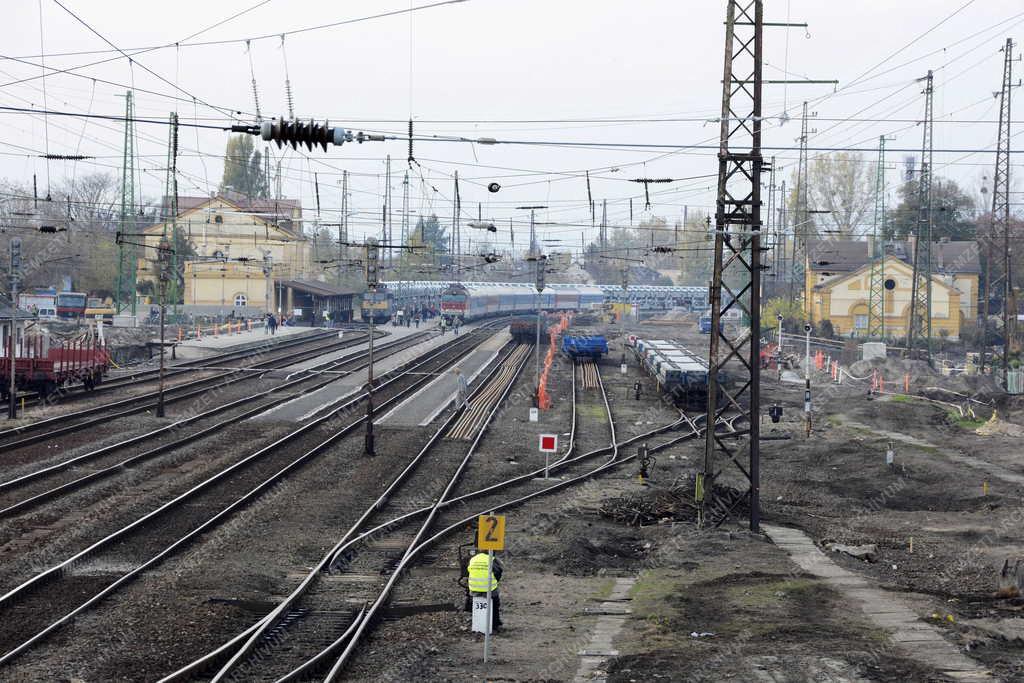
(837,282)
(243,247)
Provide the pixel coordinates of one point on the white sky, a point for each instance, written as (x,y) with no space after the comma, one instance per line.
(483,60)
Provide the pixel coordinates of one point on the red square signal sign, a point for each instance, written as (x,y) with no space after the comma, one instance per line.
(549,443)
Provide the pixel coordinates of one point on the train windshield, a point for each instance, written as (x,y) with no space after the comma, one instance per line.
(71,300)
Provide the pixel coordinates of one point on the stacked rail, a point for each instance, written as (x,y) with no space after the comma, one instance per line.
(591,377)
(479,407)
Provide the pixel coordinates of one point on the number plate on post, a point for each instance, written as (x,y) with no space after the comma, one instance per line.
(490,532)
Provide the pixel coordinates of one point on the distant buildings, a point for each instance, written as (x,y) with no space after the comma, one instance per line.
(242,246)
(837,283)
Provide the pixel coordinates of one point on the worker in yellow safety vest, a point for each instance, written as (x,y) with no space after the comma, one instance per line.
(478,580)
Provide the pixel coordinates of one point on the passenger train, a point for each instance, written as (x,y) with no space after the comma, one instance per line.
(472,300)
(475,300)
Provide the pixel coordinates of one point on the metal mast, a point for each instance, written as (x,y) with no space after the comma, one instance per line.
(876,297)
(342,227)
(1001,206)
(737,261)
(921,296)
(126,261)
(404,228)
(772,228)
(802,219)
(171,216)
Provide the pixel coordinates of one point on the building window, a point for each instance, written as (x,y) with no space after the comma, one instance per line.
(860,322)
(218,219)
(241,300)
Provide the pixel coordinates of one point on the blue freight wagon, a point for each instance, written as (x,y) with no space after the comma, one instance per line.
(593,346)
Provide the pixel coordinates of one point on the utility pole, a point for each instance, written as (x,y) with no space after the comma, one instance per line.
(372,280)
(538,271)
(773,225)
(921,283)
(737,261)
(165,263)
(1001,209)
(876,295)
(126,253)
(625,288)
(404,228)
(171,201)
(604,224)
(802,219)
(386,227)
(12,339)
(342,226)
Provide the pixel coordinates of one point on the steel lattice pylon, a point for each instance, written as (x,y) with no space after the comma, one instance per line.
(921,296)
(171,206)
(126,258)
(802,220)
(1001,206)
(876,293)
(737,261)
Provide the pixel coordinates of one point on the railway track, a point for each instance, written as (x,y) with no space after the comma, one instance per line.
(155,535)
(478,408)
(66,423)
(142,376)
(448,514)
(326,610)
(33,488)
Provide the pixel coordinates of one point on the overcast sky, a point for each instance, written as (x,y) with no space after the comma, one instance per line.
(479,62)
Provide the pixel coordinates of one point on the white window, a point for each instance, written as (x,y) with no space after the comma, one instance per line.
(860,322)
(241,300)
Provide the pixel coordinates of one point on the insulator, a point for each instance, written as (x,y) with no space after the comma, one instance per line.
(297,133)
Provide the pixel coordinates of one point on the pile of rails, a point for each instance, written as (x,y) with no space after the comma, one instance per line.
(480,406)
(591,379)
(679,372)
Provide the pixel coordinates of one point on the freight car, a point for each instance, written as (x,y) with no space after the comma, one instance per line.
(679,373)
(587,346)
(44,370)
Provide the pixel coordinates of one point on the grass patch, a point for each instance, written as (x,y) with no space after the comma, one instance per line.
(900,398)
(965,422)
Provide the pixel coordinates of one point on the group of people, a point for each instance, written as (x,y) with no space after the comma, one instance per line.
(454,324)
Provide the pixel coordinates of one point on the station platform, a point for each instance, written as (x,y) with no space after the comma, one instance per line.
(308,405)
(421,408)
(391,334)
(210,345)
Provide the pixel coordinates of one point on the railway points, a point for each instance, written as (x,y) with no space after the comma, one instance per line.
(732,426)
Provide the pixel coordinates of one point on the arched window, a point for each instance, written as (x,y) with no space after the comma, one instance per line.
(218,219)
(241,300)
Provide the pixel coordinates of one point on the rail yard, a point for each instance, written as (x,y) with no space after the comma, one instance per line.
(512,342)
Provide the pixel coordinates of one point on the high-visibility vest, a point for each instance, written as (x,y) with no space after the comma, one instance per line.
(478,574)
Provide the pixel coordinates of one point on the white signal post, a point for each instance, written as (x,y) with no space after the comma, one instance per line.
(548,444)
(490,536)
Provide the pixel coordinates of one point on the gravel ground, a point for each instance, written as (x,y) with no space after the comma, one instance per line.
(306,524)
(768,619)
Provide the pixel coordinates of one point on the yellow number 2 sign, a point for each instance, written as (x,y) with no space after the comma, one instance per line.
(490,532)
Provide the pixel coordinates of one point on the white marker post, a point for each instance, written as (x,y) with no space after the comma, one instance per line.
(490,536)
(548,445)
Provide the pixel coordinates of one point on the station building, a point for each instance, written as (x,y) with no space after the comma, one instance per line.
(247,251)
(837,285)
